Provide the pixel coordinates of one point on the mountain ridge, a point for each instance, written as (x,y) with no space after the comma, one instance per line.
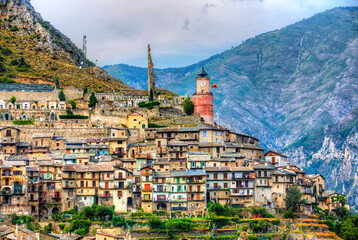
(293,88)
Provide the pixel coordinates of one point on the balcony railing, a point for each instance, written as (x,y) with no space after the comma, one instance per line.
(178,199)
(161,199)
(179,208)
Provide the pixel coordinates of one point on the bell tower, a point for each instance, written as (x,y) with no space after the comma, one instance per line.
(203,98)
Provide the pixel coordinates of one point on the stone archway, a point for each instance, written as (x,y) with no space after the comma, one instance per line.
(24,116)
(6,116)
(161,206)
(55,210)
(44,213)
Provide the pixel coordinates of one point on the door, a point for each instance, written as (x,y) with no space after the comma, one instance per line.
(106,185)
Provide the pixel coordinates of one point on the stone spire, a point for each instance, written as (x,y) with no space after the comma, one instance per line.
(151,77)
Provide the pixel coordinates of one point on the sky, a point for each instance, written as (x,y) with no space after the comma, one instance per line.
(180,32)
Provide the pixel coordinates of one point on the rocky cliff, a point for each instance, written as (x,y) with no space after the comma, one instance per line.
(47,53)
(295,88)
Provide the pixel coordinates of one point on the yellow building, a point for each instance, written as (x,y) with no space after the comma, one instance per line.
(136,120)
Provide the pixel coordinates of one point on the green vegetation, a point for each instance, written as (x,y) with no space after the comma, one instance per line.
(218,210)
(288,214)
(57,83)
(61,96)
(85,91)
(188,106)
(92,100)
(72,103)
(153,125)
(12,100)
(23,122)
(22,66)
(293,199)
(345,224)
(149,105)
(73,117)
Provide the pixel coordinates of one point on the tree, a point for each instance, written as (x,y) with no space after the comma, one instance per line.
(72,103)
(349,229)
(288,214)
(13,100)
(85,91)
(188,106)
(57,83)
(62,96)
(92,100)
(293,199)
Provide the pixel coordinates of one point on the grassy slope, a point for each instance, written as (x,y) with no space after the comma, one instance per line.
(46,63)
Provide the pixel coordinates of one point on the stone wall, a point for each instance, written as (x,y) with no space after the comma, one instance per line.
(30,96)
(27,132)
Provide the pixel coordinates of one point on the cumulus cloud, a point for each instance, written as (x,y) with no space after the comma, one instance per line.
(180,32)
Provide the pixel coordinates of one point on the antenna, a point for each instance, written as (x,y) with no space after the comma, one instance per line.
(84,48)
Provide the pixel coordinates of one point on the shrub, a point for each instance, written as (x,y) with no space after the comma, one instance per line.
(81,231)
(149,105)
(288,214)
(48,228)
(61,96)
(155,223)
(118,221)
(153,125)
(73,117)
(72,103)
(252,237)
(62,226)
(14,29)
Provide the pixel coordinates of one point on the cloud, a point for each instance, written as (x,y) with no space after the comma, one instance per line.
(186,24)
(118,31)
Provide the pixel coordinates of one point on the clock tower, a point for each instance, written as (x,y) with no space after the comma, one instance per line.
(203,98)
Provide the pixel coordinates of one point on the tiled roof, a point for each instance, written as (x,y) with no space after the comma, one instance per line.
(218,169)
(43,135)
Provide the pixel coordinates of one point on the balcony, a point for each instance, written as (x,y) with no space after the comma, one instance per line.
(73,185)
(119,153)
(195,199)
(105,195)
(161,199)
(178,199)
(56,196)
(179,208)
(147,189)
(33,200)
(195,181)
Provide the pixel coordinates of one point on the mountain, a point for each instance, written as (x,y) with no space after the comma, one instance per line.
(33,51)
(295,88)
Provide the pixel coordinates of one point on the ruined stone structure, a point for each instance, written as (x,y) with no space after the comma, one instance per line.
(203,98)
(151,76)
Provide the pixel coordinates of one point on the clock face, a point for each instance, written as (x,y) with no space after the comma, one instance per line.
(202,83)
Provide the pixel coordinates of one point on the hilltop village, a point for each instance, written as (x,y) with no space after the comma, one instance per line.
(56,156)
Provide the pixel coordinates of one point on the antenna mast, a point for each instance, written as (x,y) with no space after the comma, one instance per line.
(84,48)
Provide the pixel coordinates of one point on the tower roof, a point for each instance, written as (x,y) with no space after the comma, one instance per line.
(202,73)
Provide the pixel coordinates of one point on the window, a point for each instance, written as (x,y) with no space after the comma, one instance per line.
(204,140)
(134,120)
(8,133)
(204,133)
